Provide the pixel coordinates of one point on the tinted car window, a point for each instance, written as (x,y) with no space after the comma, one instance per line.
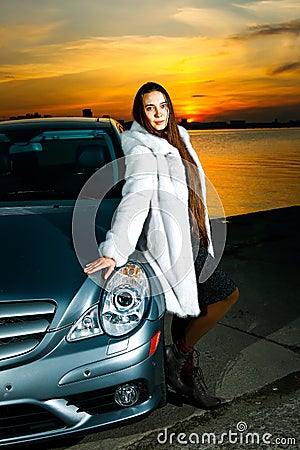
(52,164)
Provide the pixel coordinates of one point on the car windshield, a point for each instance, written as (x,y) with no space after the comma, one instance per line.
(52,165)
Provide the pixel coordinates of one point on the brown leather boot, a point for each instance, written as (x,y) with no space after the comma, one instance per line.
(200,393)
(193,376)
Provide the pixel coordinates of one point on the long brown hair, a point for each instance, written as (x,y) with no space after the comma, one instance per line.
(171,134)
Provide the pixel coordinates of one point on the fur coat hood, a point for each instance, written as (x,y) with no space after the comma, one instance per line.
(154,206)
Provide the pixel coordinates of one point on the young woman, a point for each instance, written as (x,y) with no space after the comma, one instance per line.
(164,201)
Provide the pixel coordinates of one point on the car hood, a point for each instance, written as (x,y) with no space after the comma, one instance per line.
(38,260)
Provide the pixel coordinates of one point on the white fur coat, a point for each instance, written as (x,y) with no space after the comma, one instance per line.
(155,201)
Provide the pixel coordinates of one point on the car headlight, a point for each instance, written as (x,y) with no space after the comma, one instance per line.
(124,300)
(86,326)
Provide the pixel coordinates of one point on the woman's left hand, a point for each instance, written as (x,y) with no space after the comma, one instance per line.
(99,264)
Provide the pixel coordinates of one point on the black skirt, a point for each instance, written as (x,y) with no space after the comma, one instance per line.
(217,287)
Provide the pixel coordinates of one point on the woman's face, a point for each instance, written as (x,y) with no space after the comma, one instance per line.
(156,110)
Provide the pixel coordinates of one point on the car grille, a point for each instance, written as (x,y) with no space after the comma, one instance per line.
(25,419)
(23,325)
(102,400)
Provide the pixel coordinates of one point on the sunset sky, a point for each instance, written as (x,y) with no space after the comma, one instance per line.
(218,59)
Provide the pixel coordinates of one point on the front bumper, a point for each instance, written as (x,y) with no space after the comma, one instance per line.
(71,388)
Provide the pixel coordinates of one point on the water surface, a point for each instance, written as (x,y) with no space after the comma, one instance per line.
(252,170)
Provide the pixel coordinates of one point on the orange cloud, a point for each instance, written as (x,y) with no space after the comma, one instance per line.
(206,77)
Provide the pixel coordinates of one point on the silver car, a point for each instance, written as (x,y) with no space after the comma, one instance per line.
(75,354)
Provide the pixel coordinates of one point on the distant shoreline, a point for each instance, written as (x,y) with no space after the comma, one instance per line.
(215,125)
(248,126)
(231,125)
